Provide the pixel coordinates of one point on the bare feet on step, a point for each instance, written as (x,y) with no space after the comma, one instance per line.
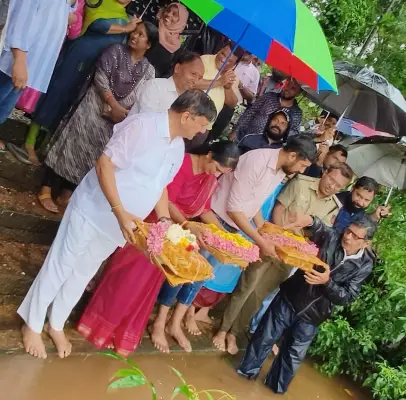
(158,338)
(62,344)
(176,332)
(33,343)
(232,347)
(203,316)
(191,325)
(219,341)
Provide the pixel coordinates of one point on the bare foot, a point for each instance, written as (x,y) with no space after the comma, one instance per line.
(232,347)
(219,340)
(62,344)
(177,333)
(191,325)
(275,349)
(32,155)
(33,343)
(203,316)
(158,338)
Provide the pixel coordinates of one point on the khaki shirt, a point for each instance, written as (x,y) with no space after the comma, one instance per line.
(300,195)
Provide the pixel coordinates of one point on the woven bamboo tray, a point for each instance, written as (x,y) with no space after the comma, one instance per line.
(178,264)
(290,255)
(221,255)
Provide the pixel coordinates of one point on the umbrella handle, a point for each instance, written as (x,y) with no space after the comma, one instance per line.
(145,10)
(237,43)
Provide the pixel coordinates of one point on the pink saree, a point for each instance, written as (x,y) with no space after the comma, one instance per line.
(118,311)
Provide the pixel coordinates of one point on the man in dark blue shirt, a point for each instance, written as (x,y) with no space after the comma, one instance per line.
(356,202)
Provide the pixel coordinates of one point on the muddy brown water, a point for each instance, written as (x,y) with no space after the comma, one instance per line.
(87,377)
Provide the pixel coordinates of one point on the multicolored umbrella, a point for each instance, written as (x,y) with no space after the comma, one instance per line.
(283,33)
(352,128)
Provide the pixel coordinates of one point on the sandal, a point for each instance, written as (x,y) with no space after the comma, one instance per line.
(47,202)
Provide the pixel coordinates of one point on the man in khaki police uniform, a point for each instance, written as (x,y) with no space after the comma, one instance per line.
(303,195)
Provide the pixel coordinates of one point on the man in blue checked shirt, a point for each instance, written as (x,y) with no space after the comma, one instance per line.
(31,41)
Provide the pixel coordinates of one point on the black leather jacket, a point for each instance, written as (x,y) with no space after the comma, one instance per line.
(314,303)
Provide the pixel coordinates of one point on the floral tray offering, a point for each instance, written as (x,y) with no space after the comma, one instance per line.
(229,248)
(292,249)
(174,250)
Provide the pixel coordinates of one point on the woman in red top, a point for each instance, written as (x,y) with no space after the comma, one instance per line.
(118,312)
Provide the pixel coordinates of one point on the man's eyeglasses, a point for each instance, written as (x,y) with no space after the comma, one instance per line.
(356,237)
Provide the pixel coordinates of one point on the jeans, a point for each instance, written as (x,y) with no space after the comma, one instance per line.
(184,294)
(8,96)
(279,320)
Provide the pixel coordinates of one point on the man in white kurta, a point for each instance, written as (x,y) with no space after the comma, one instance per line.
(129,179)
(157,95)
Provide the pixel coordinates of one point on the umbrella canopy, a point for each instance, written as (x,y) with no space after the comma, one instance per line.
(366,98)
(351,128)
(277,32)
(383,162)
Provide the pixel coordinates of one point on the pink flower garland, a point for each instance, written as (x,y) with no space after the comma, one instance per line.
(307,248)
(250,254)
(156,237)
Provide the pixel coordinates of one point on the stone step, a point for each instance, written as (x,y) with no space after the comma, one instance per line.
(23,219)
(20,263)
(15,129)
(19,176)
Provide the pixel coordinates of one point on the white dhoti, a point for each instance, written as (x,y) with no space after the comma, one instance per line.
(73,259)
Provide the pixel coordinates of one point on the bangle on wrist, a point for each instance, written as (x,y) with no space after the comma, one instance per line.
(115,207)
(164,219)
(184,223)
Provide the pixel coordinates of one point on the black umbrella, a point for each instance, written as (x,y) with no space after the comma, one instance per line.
(364,97)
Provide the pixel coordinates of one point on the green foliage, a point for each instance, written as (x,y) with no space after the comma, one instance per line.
(345,22)
(389,52)
(367,339)
(310,110)
(388,383)
(134,377)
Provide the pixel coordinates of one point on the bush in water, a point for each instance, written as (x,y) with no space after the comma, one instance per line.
(367,340)
(134,377)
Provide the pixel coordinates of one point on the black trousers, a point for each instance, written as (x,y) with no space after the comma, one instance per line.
(53,180)
(279,320)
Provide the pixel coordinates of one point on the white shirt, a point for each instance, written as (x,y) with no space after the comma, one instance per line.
(249,76)
(156,95)
(146,160)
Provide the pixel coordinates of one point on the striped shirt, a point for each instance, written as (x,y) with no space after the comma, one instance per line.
(37,27)
(255,118)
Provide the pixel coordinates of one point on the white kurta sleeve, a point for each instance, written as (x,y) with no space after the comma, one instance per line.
(129,140)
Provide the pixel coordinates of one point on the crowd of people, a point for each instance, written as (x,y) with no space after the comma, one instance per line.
(135,122)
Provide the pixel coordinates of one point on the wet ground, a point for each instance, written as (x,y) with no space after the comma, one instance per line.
(87,377)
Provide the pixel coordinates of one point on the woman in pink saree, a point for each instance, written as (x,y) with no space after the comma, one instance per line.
(118,311)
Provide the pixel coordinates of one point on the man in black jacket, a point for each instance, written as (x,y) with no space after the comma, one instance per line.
(307,299)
